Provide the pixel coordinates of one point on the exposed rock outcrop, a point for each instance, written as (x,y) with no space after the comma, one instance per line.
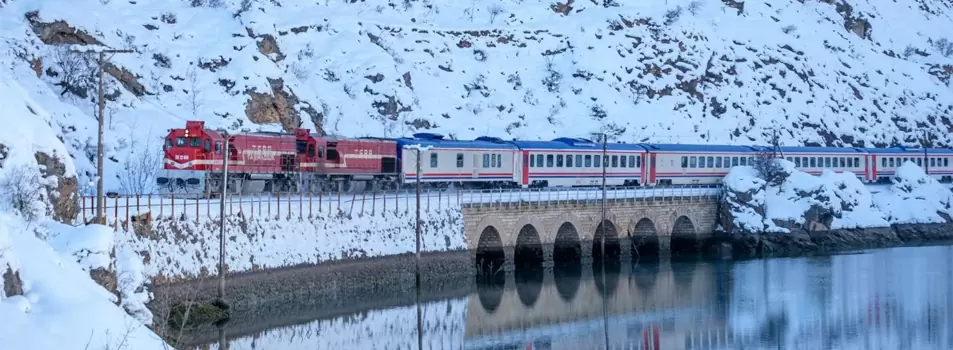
(12,284)
(281,105)
(63,193)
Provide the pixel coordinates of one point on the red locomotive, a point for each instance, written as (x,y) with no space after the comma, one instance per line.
(271,161)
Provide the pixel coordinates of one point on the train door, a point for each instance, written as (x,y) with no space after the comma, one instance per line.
(870,169)
(476,166)
(523,174)
(650,163)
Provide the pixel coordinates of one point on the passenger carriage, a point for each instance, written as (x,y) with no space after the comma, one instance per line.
(883,162)
(813,160)
(577,162)
(683,164)
(486,162)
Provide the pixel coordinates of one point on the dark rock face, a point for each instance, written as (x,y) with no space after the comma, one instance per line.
(64,196)
(12,285)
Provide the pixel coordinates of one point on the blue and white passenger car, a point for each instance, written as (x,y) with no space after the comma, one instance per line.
(486,162)
(883,162)
(813,160)
(684,164)
(576,162)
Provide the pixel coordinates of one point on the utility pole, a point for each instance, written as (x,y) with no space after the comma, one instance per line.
(605,159)
(925,142)
(100,200)
(420,329)
(221,232)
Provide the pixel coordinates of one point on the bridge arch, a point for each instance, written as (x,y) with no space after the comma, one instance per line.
(608,229)
(567,246)
(645,239)
(528,258)
(490,256)
(684,236)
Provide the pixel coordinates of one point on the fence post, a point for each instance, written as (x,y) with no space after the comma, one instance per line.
(320,202)
(300,204)
(161,206)
(277,205)
(230,202)
(289,204)
(116,212)
(83,206)
(173,205)
(310,209)
(138,210)
(197,216)
(252,213)
(353,199)
(363,197)
(374,202)
(384,198)
(339,200)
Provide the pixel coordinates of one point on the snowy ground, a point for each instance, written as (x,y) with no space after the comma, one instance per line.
(689,70)
(58,305)
(173,249)
(300,206)
(913,197)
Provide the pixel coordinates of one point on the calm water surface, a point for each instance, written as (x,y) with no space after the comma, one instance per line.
(883,299)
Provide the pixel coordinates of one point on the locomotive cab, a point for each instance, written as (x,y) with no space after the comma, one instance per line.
(191,151)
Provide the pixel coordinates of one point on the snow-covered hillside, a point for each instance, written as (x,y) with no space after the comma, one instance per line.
(48,299)
(824,71)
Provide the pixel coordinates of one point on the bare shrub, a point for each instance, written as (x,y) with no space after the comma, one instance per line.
(23,191)
(767,163)
(789,29)
(494,10)
(695,7)
(140,168)
(672,16)
(75,71)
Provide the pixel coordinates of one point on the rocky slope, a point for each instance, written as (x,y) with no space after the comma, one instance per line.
(828,72)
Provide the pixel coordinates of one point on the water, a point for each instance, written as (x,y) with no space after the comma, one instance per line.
(882,299)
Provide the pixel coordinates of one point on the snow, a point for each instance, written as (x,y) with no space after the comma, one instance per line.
(62,307)
(507,68)
(188,248)
(758,206)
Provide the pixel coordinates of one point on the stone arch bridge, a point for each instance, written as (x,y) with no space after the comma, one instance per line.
(555,230)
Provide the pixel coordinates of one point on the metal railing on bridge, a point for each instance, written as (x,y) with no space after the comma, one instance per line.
(122,211)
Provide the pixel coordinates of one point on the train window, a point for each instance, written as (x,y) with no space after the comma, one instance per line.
(539,160)
(486,160)
(320,151)
(843,162)
(932,162)
(797,162)
(301,146)
(693,162)
(433,160)
(684,162)
(208,146)
(734,161)
(578,160)
(632,161)
(638,161)
(711,162)
(856,162)
(196,142)
(605,161)
(549,160)
(596,161)
(559,161)
(744,161)
(804,162)
(459,160)
(333,155)
(310,150)
(180,142)
(569,161)
(718,162)
(892,163)
(920,161)
(946,161)
(588,161)
(532,161)
(834,162)
(168,143)
(218,147)
(827,162)
(883,162)
(615,161)
(622,161)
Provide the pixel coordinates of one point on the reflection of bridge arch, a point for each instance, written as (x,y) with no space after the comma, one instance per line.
(645,238)
(552,307)
(684,237)
(489,255)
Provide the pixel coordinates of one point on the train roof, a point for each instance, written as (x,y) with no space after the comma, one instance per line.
(799,149)
(677,147)
(907,150)
(437,140)
(574,143)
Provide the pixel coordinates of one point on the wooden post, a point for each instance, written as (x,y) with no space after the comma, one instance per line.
(374,202)
(300,204)
(353,199)
(83,205)
(173,205)
(289,204)
(363,198)
(197,215)
(116,212)
(278,206)
(126,222)
(310,209)
(221,222)
(161,206)
(320,202)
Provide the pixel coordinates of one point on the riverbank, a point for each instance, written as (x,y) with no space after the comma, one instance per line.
(800,243)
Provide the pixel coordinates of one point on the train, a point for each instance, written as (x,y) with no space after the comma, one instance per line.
(302,161)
